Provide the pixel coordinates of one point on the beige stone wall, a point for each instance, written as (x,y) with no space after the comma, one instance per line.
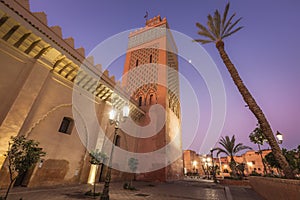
(35,100)
(16,70)
(65,152)
(174,140)
(21,81)
(275,188)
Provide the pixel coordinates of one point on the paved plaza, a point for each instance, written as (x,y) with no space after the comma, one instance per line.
(200,190)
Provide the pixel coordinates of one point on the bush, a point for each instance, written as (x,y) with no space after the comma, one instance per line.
(125,185)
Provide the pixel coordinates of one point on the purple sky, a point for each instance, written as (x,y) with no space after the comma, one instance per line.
(265,52)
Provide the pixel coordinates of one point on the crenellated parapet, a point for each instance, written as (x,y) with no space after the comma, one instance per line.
(29,33)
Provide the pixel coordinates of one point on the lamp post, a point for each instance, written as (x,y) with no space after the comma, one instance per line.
(279,137)
(221,169)
(205,166)
(194,163)
(115,118)
(207,161)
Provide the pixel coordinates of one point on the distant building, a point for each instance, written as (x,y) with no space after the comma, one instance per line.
(251,159)
(191,162)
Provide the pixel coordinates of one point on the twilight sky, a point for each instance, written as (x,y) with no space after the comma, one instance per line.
(265,52)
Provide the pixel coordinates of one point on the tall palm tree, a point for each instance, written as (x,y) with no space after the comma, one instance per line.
(258,137)
(230,149)
(217,29)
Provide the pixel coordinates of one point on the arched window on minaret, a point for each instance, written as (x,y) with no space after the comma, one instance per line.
(137,62)
(118,140)
(150,99)
(140,101)
(150,61)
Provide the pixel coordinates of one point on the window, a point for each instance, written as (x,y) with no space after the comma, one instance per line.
(253,162)
(150,58)
(66,125)
(150,99)
(118,140)
(140,101)
(136,62)
(254,169)
(258,169)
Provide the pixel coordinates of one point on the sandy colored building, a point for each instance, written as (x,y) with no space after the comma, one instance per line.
(193,163)
(41,76)
(251,159)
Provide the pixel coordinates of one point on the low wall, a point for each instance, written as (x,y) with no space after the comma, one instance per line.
(276,188)
(235,182)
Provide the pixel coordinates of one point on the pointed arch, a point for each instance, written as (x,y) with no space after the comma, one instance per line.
(151,97)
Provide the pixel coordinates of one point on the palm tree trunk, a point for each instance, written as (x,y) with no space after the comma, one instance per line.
(255,109)
(233,166)
(262,159)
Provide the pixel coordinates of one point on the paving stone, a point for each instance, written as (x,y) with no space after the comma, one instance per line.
(180,190)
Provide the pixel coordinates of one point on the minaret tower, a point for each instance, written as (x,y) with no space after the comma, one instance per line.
(151,77)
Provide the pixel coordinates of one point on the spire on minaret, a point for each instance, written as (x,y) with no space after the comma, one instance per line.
(146,16)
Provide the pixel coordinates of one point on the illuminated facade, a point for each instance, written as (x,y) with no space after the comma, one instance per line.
(40,70)
(151,77)
(251,159)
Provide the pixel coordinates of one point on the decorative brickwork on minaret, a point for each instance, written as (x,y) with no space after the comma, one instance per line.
(149,48)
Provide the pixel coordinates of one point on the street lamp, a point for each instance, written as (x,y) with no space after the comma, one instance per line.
(207,161)
(279,137)
(194,163)
(115,118)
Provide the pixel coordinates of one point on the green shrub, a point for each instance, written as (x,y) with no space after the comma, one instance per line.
(126,186)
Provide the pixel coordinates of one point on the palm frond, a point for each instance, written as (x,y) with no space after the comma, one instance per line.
(240,147)
(203,41)
(225,16)
(218,28)
(227,24)
(232,32)
(203,28)
(217,23)
(220,150)
(206,34)
(233,25)
(211,26)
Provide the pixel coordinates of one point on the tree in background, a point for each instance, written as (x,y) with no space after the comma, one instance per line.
(292,156)
(241,169)
(219,28)
(258,137)
(22,154)
(230,148)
